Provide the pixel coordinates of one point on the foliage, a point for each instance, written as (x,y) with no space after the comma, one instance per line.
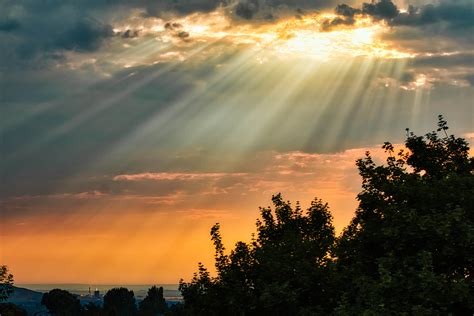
(154,303)
(410,247)
(285,270)
(61,303)
(91,309)
(6,283)
(409,250)
(10,309)
(176,309)
(120,302)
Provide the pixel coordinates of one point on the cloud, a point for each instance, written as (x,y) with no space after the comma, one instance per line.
(456,15)
(85,35)
(129,33)
(381,10)
(445,60)
(172,176)
(9,25)
(35,34)
(346,10)
(384,9)
(87,195)
(470,78)
(247,8)
(269,9)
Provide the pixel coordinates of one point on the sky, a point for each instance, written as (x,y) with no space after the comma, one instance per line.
(128,128)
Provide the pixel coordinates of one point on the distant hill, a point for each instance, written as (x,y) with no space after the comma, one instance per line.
(27,299)
(22,295)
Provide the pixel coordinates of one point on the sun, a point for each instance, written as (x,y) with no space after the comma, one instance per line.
(307,37)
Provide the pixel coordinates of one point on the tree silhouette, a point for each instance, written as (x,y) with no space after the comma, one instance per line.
(6,283)
(10,309)
(120,302)
(285,270)
(91,309)
(410,247)
(61,303)
(154,303)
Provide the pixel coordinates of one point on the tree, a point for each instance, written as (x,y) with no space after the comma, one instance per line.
(6,283)
(410,247)
(177,309)
(409,250)
(120,302)
(285,270)
(293,251)
(91,309)
(10,309)
(154,303)
(61,303)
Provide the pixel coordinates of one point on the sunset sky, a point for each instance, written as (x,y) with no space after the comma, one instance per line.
(128,128)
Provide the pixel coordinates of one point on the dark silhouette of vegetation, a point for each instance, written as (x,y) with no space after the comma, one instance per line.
(154,303)
(285,270)
(61,303)
(6,283)
(91,309)
(410,247)
(10,309)
(177,309)
(6,288)
(120,302)
(408,251)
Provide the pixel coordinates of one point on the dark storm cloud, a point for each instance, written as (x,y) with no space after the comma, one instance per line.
(247,8)
(381,10)
(85,35)
(456,13)
(327,25)
(346,10)
(34,33)
(9,25)
(130,33)
(451,18)
(448,25)
(384,9)
(266,9)
(176,29)
(42,31)
(446,61)
(157,8)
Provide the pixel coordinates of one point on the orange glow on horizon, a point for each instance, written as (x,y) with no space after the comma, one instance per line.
(104,239)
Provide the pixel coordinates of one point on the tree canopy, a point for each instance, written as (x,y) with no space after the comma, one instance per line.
(61,303)
(409,250)
(10,309)
(154,303)
(120,302)
(284,270)
(410,247)
(6,283)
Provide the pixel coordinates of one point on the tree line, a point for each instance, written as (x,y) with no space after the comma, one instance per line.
(118,301)
(409,249)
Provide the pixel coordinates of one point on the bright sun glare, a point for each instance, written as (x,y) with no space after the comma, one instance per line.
(306,37)
(303,36)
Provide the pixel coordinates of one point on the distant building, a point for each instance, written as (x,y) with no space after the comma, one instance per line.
(97,293)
